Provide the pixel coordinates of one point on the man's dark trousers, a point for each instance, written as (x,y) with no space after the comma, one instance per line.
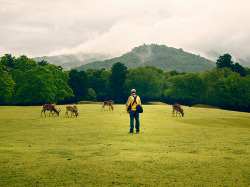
(134,115)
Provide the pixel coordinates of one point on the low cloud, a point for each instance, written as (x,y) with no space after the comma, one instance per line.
(116,26)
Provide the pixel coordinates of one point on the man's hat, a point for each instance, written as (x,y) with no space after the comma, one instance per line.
(133,91)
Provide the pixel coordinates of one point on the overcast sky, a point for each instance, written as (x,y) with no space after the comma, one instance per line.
(53,27)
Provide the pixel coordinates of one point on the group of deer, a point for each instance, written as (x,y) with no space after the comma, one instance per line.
(74,110)
(53,110)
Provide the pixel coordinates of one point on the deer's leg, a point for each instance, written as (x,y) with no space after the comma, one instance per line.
(42,112)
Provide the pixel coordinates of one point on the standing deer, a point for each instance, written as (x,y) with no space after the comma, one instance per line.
(108,103)
(73,110)
(177,108)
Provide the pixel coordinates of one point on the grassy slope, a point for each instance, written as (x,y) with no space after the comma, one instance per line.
(206,147)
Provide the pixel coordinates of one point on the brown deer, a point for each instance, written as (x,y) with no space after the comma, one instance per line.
(108,103)
(51,108)
(73,110)
(177,108)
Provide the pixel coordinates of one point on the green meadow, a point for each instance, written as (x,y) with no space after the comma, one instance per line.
(206,147)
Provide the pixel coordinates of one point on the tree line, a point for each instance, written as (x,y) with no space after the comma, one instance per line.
(24,81)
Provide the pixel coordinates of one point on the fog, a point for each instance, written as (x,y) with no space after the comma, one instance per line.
(46,28)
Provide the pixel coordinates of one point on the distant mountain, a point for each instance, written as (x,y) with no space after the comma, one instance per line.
(160,56)
(243,62)
(212,55)
(71,61)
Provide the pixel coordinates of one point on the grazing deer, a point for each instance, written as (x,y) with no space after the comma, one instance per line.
(73,110)
(51,108)
(108,103)
(177,108)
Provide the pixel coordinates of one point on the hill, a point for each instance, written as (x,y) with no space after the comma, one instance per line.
(244,63)
(160,56)
(73,60)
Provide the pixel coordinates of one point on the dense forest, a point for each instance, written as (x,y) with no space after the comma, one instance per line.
(24,81)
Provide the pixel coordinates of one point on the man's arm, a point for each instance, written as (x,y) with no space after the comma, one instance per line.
(128,103)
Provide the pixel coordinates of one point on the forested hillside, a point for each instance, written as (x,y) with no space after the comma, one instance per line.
(160,56)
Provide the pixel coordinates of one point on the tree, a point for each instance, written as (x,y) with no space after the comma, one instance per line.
(36,87)
(24,82)
(243,88)
(158,70)
(78,81)
(239,69)
(91,95)
(43,63)
(24,63)
(38,84)
(147,82)
(8,60)
(224,61)
(188,89)
(60,81)
(98,80)
(227,89)
(7,86)
(117,80)
(211,78)
(170,73)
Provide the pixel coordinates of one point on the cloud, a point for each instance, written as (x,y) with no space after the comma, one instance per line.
(116,26)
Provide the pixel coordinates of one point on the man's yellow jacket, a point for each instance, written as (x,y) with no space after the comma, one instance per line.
(131,101)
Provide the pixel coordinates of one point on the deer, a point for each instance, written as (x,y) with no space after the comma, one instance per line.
(73,110)
(108,103)
(51,108)
(177,108)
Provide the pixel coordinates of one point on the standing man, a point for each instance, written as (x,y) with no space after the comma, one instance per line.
(131,104)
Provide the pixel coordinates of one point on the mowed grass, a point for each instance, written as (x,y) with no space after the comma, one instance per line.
(207,147)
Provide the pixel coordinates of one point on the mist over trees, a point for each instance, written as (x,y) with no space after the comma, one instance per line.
(24,81)
(160,56)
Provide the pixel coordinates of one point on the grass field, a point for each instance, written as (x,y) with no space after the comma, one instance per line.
(207,147)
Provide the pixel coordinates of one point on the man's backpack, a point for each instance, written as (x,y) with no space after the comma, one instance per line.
(139,109)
